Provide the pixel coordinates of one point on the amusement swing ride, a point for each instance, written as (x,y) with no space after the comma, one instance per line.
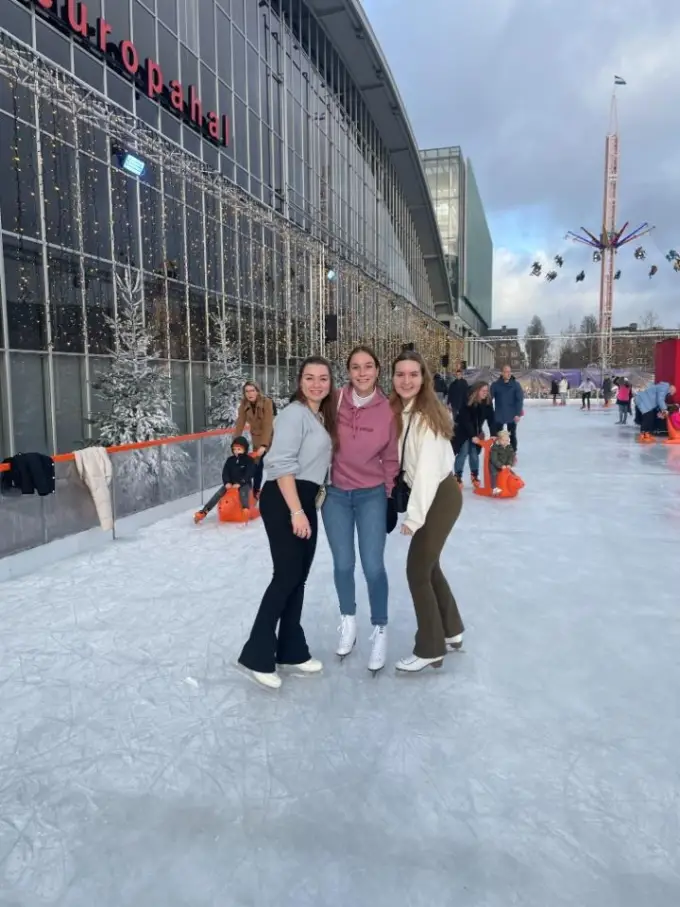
(609,240)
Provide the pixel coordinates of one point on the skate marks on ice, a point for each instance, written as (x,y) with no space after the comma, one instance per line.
(536,769)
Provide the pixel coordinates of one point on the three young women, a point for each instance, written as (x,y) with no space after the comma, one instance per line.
(365,466)
(434,505)
(297,466)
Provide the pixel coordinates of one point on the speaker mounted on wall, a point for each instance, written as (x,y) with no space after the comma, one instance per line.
(331,327)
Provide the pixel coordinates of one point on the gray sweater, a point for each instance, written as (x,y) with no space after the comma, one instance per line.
(301,446)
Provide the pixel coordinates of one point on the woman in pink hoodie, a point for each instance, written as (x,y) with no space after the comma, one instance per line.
(365,466)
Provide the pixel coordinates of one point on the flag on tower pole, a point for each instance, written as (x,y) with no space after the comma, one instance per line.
(619,81)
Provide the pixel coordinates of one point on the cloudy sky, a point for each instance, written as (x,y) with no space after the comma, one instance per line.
(524,86)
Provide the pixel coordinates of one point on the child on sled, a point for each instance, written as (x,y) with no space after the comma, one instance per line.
(501,456)
(237,472)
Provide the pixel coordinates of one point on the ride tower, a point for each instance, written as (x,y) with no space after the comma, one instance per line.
(610,239)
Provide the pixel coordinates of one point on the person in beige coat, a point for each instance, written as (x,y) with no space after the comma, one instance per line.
(257,412)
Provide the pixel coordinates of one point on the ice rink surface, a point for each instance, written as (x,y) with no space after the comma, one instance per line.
(540,767)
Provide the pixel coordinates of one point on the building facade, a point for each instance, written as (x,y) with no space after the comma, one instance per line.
(468,247)
(507,349)
(225,150)
(634,347)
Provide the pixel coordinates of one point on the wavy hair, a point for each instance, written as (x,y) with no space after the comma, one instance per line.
(426,404)
(329,404)
(473,397)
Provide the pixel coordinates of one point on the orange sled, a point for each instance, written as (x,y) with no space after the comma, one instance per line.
(229,509)
(509,482)
(673,433)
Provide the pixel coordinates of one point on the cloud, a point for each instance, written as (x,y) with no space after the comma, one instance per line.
(524,87)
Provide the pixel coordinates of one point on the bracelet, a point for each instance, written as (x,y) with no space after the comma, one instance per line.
(296,512)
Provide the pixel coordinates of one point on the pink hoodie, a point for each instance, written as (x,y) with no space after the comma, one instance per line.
(368,452)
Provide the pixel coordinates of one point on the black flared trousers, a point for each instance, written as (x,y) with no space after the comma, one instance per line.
(282,602)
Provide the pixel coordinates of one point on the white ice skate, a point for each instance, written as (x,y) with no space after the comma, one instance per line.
(454,643)
(348,635)
(271,679)
(379,651)
(311,666)
(413,664)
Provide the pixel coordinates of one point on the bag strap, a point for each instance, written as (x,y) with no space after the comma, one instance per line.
(403,447)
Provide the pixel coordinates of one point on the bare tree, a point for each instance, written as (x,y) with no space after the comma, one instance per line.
(536,343)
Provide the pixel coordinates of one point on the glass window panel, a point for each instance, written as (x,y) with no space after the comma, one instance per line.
(167,13)
(223,33)
(144,31)
(60,199)
(198,396)
(197,321)
(99,306)
(168,53)
(156,309)
(240,133)
(253,62)
(238,14)
(117,14)
(125,217)
(25,297)
(206,24)
(180,413)
(152,229)
(19,183)
(66,306)
(51,44)
(89,69)
(254,144)
(239,54)
(177,321)
(31,419)
(17,22)
(69,403)
(195,247)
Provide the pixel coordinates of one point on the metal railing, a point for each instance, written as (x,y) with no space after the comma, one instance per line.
(145,476)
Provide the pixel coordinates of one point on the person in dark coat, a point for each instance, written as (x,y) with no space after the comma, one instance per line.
(468,431)
(508,403)
(458,393)
(238,472)
(554,390)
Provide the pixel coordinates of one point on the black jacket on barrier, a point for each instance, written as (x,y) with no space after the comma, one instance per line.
(470,422)
(29,473)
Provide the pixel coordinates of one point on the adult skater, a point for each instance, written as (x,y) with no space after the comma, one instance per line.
(365,466)
(508,403)
(651,404)
(458,393)
(564,391)
(587,388)
(468,431)
(297,466)
(434,504)
(554,390)
(256,411)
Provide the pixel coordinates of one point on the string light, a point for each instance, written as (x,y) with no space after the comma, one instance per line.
(269,274)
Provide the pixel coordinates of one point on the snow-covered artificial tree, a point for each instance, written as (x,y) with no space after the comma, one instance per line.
(226,378)
(137,395)
(136,390)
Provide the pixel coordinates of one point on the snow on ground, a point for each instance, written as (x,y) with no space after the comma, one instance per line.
(139,768)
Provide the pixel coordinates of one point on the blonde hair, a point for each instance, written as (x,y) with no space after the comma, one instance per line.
(503,434)
(426,404)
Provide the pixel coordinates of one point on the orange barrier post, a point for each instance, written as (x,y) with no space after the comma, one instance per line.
(509,482)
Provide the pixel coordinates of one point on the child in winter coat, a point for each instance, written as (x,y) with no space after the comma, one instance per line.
(501,456)
(237,472)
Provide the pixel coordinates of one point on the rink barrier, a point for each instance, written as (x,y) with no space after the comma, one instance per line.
(146,476)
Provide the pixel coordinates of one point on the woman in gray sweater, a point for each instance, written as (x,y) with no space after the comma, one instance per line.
(297,466)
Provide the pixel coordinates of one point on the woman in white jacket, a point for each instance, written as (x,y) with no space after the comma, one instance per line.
(434,504)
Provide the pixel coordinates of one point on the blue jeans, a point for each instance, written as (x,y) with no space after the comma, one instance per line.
(365,508)
(470,449)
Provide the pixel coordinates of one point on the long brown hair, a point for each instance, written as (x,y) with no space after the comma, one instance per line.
(426,404)
(260,395)
(473,396)
(329,404)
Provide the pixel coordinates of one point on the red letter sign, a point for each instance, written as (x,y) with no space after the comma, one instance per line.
(154,78)
(77,17)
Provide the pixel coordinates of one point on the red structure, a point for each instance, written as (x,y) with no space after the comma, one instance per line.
(667,362)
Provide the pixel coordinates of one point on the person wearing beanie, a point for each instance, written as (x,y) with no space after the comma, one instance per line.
(237,472)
